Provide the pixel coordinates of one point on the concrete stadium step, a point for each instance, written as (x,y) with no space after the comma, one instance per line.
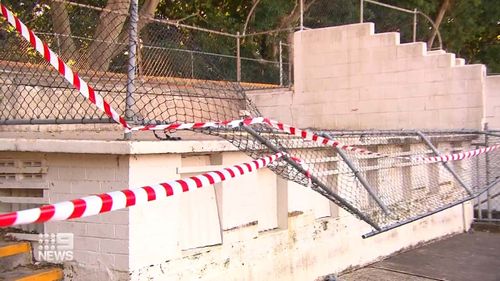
(33,273)
(16,263)
(14,254)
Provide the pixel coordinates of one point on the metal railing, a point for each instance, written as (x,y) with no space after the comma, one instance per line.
(415,12)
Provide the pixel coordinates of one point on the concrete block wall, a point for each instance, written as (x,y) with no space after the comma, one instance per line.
(100,242)
(257,227)
(492,102)
(347,77)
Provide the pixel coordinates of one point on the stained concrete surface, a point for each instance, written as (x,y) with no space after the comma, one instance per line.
(464,257)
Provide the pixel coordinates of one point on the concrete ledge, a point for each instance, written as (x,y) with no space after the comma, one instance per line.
(113,147)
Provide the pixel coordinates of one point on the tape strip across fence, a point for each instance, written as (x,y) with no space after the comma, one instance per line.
(111,201)
(95,98)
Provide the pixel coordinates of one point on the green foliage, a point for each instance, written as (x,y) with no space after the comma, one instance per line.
(470,28)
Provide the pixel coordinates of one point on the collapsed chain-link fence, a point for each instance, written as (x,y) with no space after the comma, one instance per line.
(385,190)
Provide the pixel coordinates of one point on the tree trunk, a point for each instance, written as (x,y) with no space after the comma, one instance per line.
(106,35)
(61,25)
(444,7)
(147,12)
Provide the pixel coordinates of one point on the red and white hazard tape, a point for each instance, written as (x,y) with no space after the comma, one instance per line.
(457,156)
(306,135)
(71,76)
(106,202)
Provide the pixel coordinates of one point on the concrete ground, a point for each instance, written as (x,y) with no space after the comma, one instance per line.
(464,257)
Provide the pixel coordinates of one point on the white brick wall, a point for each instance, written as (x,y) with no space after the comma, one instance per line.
(98,240)
(492,102)
(348,78)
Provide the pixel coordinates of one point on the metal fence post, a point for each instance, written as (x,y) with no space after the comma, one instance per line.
(132,62)
(445,164)
(362,180)
(192,65)
(415,14)
(317,185)
(488,175)
(301,14)
(238,57)
(281,63)
(361,10)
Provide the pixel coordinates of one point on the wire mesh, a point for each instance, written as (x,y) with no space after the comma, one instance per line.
(487,205)
(408,189)
(179,71)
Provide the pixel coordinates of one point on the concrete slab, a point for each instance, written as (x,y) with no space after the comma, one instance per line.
(468,256)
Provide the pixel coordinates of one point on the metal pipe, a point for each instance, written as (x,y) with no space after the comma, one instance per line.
(362,180)
(404,132)
(192,65)
(132,62)
(281,63)
(238,57)
(325,190)
(487,163)
(56,121)
(270,31)
(361,10)
(398,224)
(445,164)
(387,228)
(390,6)
(301,14)
(415,13)
(489,133)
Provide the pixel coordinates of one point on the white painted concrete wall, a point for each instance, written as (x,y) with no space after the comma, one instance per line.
(347,77)
(492,102)
(257,227)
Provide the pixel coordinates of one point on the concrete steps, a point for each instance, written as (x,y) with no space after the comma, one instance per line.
(16,263)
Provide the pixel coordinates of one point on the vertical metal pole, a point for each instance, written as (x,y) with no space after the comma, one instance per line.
(361,10)
(488,176)
(301,14)
(415,14)
(238,57)
(478,176)
(132,61)
(281,63)
(192,65)
(445,164)
(323,189)
(362,180)
(59,44)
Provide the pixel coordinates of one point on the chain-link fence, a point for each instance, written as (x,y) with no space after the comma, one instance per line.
(150,70)
(385,189)
(487,205)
